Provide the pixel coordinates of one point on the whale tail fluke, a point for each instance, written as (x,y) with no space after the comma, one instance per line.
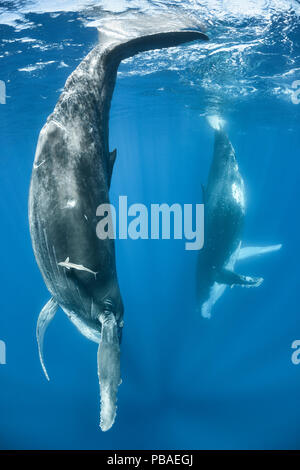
(108,369)
(126,36)
(45,317)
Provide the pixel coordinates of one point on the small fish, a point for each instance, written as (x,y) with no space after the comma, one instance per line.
(66,264)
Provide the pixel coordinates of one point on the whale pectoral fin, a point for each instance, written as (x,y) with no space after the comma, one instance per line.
(112,159)
(45,317)
(108,369)
(249,251)
(231,278)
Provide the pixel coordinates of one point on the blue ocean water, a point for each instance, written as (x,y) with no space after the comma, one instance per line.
(188,382)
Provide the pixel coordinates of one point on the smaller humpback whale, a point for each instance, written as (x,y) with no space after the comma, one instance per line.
(224,199)
(71,177)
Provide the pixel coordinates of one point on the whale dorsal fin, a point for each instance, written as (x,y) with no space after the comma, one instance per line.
(67,260)
(112,159)
(231,278)
(45,317)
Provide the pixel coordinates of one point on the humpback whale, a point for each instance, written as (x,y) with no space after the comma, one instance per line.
(224,202)
(71,177)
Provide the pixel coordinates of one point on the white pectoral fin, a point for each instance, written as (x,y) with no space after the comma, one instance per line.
(45,317)
(216,292)
(108,370)
(249,251)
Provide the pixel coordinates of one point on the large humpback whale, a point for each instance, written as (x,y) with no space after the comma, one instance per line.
(224,199)
(71,177)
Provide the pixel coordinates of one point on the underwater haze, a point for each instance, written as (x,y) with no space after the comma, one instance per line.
(228,382)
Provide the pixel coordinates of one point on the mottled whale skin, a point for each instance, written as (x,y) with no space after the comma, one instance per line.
(225,208)
(71,177)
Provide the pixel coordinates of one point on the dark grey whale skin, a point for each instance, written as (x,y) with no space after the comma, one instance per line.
(71,178)
(75,164)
